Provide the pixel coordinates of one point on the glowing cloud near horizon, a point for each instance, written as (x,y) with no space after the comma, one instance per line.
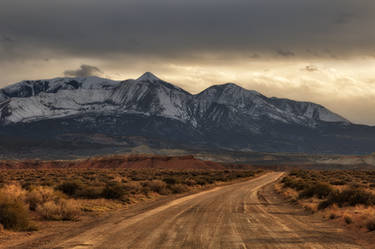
(325,55)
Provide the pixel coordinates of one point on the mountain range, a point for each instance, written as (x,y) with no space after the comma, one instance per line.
(92,112)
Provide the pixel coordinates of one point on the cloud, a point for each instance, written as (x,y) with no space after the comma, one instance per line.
(83,71)
(285,53)
(311,68)
(6,38)
(226,38)
(344,18)
(254,56)
(183,28)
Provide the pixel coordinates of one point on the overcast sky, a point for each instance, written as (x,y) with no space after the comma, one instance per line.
(314,50)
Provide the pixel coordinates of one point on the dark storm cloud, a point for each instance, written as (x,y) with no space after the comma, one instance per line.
(176,28)
(6,38)
(285,53)
(344,18)
(83,71)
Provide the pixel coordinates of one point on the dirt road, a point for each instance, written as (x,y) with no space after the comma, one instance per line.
(242,215)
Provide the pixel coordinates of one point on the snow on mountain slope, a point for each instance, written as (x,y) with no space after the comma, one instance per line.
(34,100)
(148,95)
(254,104)
(153,97)
(228,94)
(307,110)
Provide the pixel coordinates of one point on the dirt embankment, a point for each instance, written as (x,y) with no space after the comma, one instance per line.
(128,161)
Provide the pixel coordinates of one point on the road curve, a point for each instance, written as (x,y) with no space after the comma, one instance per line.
(242,215)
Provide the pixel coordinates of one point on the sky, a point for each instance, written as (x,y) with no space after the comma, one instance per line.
(308,50)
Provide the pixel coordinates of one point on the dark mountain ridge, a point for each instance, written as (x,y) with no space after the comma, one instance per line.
(71,113)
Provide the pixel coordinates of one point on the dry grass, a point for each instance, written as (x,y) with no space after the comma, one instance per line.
(65,194)
(40,195)
(344,196)
(99,205)
(13,210)
(60,210)
(13,192)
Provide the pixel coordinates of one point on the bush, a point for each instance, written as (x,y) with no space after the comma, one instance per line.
(351,197)
(40,195)
(371,225)
(306,193)
(190,182)
(324,204)
(60,210)
(289,182)
(348,220)
(338,182)
(319,190)
(132,187)
(90,192)
(13,214)
(14,192)
(113,191)
(170,180)
(157,186)
(178,188)
(69,188)
(204,180)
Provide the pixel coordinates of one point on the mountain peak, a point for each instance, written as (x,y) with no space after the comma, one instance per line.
(147,76)
(230,88)
(230,85)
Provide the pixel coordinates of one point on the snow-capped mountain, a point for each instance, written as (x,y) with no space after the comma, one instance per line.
(256,106)
(148,95)
(222,116)
(62,97)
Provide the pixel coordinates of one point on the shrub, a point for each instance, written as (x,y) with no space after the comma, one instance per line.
(178,188)
(359,196)
(351,197)
(59,210)
(371,225)
(204,180)
(113,191)
(324,204)
(13,214)
(69,188)
(40,195)
(170,180)
(348,220)
(338,182)
(307,192)
(132,187)
(190,182)
(332,216)
(157,186)
(14,192)
(289,182)
(90,192)
(319,190)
